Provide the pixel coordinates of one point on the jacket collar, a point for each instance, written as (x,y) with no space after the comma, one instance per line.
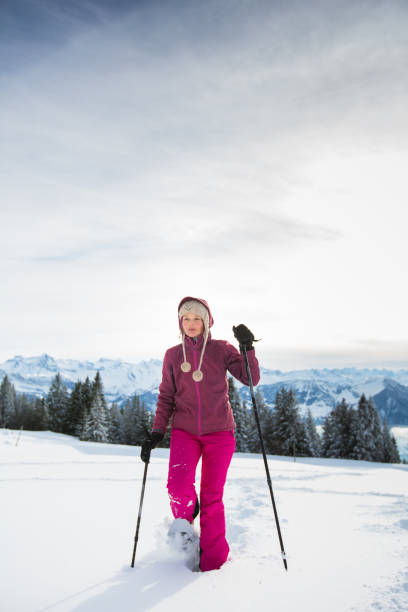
(196,342)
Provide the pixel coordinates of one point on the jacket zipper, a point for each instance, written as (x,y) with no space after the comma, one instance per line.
(197,388)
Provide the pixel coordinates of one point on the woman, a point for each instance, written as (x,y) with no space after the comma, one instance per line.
(194,392)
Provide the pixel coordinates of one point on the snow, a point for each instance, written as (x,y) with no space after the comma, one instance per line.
(401,437)
(69,510)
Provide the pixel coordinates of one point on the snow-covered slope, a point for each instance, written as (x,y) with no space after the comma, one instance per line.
(68,517)
(319,390)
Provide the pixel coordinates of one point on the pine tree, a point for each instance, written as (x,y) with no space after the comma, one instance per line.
(240,417)
(246,423)
(265,421)
(41,414)
(97,423)
(376,432)
(86,400)
(337,431)
(360,431)
(395,457)
(7,404)
(27,417)
(388,447)
(367,438)
(302,445)
(57,402)
(97,427)
(268,428)
(115,430)
(284,421)
(127,423)
(74,416)
(313,438)
(142,421)
(289,430)
(329,434)
(136,421)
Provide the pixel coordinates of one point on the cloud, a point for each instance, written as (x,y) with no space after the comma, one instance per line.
(198,230)
(178,98)
(370,353)
(152,150)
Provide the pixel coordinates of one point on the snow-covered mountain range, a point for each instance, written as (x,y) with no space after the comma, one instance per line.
(33,375)
(318,390)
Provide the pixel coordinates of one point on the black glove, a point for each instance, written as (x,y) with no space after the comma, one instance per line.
(244,337)
(151,442)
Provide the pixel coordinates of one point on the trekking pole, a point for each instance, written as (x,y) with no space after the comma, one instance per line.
(139,516)
(268,476)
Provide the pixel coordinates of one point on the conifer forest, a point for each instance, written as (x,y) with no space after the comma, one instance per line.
(348,432)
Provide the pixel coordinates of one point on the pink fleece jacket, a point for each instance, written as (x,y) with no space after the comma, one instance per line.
(201,407)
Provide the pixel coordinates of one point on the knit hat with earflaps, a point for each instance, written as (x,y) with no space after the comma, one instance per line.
(195,306)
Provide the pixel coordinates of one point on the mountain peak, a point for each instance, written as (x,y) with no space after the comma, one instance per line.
(317,389)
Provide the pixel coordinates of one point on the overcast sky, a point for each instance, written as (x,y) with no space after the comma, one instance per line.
(253,153)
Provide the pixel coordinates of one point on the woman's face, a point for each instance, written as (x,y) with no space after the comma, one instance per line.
(193,325)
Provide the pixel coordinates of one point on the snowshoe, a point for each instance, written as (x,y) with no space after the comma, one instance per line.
(185,541)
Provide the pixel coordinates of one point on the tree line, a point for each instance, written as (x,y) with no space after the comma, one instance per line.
(357,433)
(348,432)
(83,413)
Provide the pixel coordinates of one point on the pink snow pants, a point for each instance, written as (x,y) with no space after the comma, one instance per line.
(216,450)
